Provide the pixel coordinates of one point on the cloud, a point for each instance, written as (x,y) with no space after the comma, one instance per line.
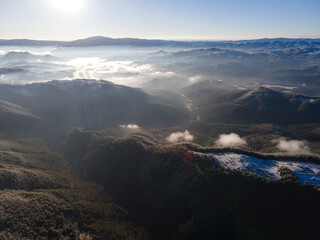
(179,137)
(195,79)
(292,145)
(129,126)
(230,140)
(162,74)
(120,72)
(104,65)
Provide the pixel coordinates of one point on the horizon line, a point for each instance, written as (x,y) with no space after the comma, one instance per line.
(165,39)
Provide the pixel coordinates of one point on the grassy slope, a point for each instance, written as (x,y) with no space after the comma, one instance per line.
(41,199)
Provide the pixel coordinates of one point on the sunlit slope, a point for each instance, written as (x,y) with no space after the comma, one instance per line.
(41,199)
(14,118)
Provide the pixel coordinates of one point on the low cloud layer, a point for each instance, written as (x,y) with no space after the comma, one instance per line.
(292,145)
(129,126)
(195,79)
(180,137)
(120,72)
(63,64)
(230,140)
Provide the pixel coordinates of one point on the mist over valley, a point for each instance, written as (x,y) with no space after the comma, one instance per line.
(128,138)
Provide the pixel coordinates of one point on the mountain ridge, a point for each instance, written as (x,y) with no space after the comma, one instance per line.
(107,41)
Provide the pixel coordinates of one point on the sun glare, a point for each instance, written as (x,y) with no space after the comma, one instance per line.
(68,6)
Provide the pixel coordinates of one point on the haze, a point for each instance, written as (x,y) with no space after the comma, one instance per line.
(153,120)
(204,19)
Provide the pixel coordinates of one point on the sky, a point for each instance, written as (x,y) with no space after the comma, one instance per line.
(159,19)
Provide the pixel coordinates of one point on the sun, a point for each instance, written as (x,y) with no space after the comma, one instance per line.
(68,6)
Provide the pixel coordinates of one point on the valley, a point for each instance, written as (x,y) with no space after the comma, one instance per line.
(145,139)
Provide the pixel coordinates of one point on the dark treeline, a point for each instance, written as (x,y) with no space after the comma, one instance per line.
(177,195)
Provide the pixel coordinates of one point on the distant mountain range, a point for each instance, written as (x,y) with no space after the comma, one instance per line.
(105,41)
(14,56)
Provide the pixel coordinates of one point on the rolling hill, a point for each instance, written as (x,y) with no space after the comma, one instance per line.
(14,56)
(93,104)
(14,119)
(261,105)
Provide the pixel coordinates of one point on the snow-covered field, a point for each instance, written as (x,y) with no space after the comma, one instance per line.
(308,100)
(306,172)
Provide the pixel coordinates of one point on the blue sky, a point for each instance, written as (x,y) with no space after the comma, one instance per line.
(165,19)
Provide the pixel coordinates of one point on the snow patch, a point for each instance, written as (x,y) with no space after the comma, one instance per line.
(305,172)
(308,100)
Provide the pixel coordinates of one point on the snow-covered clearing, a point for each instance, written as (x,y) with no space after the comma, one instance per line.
(306,172)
